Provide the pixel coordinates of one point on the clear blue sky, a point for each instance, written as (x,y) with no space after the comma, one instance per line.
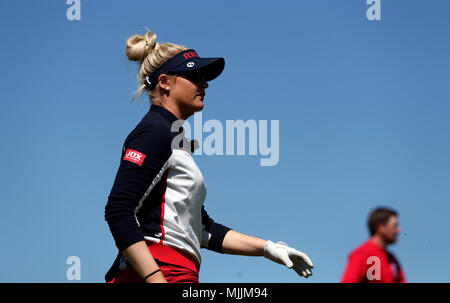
(364,121)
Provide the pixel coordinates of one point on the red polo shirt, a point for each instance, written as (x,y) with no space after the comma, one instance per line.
(370,263)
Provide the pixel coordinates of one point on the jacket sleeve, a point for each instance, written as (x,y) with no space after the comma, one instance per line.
(144,159)
(213,233)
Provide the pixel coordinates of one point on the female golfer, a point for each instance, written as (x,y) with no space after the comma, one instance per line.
(155,209)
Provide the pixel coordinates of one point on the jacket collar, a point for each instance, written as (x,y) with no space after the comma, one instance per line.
(166,113)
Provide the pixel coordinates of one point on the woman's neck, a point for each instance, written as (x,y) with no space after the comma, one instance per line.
(174,109)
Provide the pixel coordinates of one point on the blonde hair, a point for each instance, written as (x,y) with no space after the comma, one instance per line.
(150,55)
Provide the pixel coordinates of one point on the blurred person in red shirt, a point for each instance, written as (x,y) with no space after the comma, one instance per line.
(371,262)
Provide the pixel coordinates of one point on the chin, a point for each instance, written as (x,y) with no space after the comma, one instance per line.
(392,241)
(199,107)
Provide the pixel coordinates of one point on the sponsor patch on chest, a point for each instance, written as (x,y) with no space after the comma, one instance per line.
(134,156)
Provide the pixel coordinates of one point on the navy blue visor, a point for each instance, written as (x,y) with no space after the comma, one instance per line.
(187,61)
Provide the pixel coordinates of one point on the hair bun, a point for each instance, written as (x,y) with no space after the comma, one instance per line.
(138,46)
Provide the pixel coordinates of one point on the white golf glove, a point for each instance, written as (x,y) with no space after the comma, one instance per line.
(281,253)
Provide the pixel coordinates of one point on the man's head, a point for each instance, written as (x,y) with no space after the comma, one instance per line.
(383,222)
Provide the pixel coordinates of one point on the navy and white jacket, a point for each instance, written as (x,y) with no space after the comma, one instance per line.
(158,192)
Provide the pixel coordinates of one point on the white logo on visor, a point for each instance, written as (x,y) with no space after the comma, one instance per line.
(190,64)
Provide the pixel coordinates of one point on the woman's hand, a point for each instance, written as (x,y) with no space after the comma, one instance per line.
(140,258)
(281,253)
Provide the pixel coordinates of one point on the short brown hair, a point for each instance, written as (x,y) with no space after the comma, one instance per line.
(379,215)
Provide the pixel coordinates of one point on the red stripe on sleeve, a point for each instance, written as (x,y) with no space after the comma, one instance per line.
(162,209)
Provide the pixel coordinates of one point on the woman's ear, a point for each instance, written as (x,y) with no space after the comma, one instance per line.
(164,82)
